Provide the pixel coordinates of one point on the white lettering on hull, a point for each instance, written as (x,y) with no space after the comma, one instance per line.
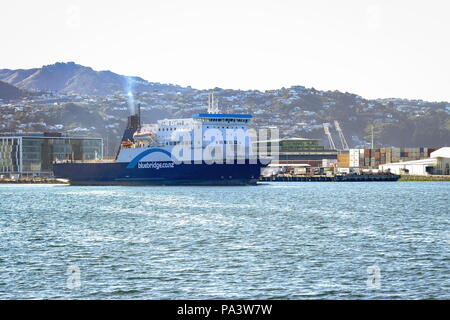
(156,165)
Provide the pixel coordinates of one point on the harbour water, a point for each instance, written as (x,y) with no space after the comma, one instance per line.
(363,240)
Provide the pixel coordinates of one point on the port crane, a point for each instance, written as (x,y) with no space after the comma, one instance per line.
(326,128)
(341,135)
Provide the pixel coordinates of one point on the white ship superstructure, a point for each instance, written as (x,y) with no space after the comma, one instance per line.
(206,136)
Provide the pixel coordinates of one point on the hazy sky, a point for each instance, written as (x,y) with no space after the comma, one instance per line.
(371,48)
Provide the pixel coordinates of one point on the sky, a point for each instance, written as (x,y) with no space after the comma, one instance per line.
(376,49)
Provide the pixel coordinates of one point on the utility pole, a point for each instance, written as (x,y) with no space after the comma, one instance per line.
(372,135)
(105,153)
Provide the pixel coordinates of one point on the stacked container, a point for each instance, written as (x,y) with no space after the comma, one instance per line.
(356,160)
(375,157)
(395,156)
(367,153)
(343,160)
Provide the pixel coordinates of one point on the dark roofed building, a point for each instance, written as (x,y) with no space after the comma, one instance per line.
(300,151)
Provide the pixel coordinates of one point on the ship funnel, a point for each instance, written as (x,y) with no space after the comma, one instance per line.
(133,125)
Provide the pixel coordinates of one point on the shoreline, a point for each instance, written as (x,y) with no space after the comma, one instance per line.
(34,181)
(403,178)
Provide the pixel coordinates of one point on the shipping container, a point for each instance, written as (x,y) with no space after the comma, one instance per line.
(343,160)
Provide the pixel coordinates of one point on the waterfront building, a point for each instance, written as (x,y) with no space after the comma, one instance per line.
(299,153)
(32,154)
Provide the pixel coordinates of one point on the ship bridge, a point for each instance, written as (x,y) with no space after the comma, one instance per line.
(216,118)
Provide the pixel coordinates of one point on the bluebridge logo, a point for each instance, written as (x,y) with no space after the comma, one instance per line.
(156,165)
(136,161)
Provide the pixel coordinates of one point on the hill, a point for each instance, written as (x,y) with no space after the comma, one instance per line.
(96,102)
(8,91)
(73,78)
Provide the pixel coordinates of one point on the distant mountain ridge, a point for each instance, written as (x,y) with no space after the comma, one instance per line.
(74,78)
(296,111)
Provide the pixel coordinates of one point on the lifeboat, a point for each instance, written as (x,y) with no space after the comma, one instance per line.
(126,144)
(146,135)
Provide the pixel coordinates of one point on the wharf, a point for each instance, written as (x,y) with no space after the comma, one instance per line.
(33,181)
(408,177)
(339,178)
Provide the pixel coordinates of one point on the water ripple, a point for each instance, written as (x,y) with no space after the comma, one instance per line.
(273,241)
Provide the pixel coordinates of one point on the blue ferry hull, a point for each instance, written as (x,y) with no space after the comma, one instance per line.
(115,173)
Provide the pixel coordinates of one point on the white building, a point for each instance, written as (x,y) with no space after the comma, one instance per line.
(438,163)
(443,160)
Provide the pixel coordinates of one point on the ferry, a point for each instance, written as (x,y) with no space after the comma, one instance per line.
(210,148)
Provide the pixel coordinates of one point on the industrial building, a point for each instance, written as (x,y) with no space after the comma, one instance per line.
(437,164)
(299,153)
(32,154)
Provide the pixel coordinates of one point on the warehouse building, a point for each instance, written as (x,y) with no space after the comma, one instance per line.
(32,154)
(437,164)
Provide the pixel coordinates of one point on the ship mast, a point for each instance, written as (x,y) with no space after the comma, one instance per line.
(213,103)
